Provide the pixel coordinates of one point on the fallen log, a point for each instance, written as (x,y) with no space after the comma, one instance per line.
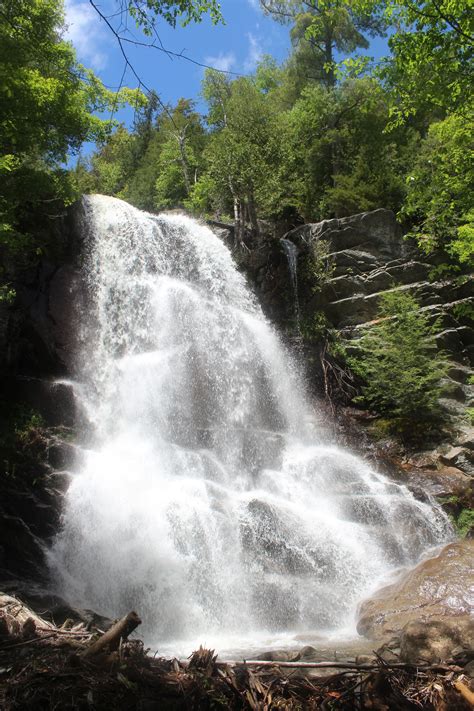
(110,640)
(343,665)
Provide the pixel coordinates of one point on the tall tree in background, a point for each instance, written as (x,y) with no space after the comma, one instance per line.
(238,155)
(322,29)
(180,160)
(430,74)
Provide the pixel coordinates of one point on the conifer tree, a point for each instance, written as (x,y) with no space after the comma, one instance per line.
(400,364)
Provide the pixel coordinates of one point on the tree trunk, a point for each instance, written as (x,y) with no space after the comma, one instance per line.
(253,214)
(181,138)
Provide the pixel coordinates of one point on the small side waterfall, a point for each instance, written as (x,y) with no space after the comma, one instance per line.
(208,501)
(291,251)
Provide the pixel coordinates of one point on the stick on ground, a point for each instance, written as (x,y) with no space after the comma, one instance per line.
(110,640)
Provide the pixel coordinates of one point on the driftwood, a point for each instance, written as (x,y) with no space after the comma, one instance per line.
(344,665)
(465,691)
(111,639)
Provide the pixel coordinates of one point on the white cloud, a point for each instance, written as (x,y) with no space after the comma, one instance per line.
(254,54)
(84,31)
(224,62)
(254,3)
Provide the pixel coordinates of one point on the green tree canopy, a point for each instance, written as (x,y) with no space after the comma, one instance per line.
(432,57)
(440,202)
(47,109)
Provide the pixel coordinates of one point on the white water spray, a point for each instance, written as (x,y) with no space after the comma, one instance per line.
(207,502)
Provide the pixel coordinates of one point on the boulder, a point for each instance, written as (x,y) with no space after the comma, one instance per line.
(442,481)
(462,458)
(438,589)
(435,641)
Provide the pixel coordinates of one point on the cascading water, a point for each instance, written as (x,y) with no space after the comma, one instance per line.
(207,501)
(291,252)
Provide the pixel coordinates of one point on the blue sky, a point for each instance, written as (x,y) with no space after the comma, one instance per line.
(236,46)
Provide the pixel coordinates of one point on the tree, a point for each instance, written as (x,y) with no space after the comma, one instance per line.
(48,105)
(400,365)
(323,28)
(337,158)
(239,153)
(432,57)
(146,12)
(440,187)
(112,164)
(180,161)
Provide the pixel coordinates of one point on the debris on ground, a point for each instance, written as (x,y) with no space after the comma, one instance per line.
(44,667)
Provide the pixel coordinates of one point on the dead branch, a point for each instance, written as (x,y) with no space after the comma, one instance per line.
(345,665)
(111,639)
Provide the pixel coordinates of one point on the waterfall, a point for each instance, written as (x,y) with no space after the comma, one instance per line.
(208,501)
(291,251)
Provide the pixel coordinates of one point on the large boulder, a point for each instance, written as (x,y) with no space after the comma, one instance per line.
(440,589)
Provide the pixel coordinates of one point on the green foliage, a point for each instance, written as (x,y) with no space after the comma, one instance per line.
(47,109)
(180,159)
(440,189)
(315,327)
(21,435)
(338,159)
(324,135)
(323,28)
(145,12)
(317,268)
(240,153)
(400,365)
(157,165)
(464,522)
(431,65)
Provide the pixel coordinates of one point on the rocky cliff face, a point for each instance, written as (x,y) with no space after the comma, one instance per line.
(346,264)
(39,418)
(366,257)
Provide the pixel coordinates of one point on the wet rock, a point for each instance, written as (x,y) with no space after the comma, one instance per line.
(30,509)
(59,481)
(444,481)
(440,588)
(23,551)
(364,659)
(48,333)
(63,455)
(308,652)
(456,455)
(434,641)
(277,655)
(54,400)
(449,340)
